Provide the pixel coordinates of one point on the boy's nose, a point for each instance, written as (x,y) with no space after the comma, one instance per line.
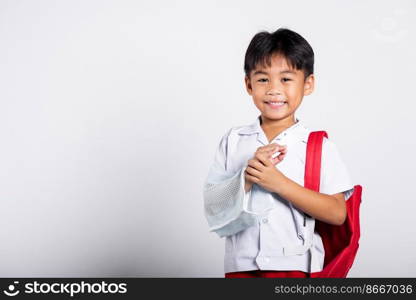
(275,89)
(274,92)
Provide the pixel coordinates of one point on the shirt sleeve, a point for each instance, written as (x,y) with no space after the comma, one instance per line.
(225,197)
(334,173)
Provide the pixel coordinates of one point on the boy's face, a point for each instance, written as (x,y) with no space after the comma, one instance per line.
(270,86)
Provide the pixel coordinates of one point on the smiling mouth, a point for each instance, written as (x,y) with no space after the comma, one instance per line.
(275,104)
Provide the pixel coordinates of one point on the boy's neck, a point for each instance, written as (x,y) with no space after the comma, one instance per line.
(276,125)
(273,128)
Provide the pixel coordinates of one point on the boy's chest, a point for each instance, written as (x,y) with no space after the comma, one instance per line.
(243,148)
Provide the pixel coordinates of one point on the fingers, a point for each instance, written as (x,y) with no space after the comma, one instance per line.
(255,164)
(250,178)
(278,158)
(254,169)
(271,148)
(282,149)
(264,157)
(267,148)
(252,172)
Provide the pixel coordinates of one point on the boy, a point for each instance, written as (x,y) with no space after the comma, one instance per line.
(254,194)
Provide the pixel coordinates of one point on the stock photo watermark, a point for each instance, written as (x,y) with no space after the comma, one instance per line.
(71,289)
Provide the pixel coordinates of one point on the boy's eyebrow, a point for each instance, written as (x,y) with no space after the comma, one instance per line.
(260,72)
(288,71)
(281,72)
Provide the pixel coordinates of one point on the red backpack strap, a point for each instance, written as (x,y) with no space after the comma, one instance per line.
(313,160)
(340,241)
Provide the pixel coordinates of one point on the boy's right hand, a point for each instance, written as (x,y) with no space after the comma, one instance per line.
(267,151)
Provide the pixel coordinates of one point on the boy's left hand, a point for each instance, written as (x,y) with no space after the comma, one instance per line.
(262,171)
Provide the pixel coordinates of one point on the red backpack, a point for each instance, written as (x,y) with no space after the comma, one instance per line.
(340,241)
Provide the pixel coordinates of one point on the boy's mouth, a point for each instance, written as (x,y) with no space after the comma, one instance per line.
(275,104)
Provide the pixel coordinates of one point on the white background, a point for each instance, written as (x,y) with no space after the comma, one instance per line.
(111,111)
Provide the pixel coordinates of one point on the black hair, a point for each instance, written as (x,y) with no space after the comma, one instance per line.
(291,45)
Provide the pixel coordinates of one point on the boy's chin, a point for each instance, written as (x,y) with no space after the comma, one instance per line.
(277,118)
(274,116)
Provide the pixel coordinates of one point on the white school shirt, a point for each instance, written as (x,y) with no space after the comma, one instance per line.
(263,230)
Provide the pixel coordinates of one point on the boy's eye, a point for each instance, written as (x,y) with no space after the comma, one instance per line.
(286,79)
(262,80)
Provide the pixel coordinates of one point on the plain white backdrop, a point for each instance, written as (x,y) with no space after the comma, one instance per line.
(111,111)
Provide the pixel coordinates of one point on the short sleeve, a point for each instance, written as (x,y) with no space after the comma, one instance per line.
(334,173)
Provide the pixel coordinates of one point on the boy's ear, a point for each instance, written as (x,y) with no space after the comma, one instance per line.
(248,85)
(309,85)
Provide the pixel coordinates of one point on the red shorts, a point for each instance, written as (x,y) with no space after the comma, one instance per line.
(267,274)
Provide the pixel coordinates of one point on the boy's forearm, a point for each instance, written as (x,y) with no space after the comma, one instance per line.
(323,207)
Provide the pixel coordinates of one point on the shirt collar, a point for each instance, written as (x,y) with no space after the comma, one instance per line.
(256,128)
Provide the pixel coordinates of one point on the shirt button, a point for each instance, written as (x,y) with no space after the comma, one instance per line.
(265,220)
